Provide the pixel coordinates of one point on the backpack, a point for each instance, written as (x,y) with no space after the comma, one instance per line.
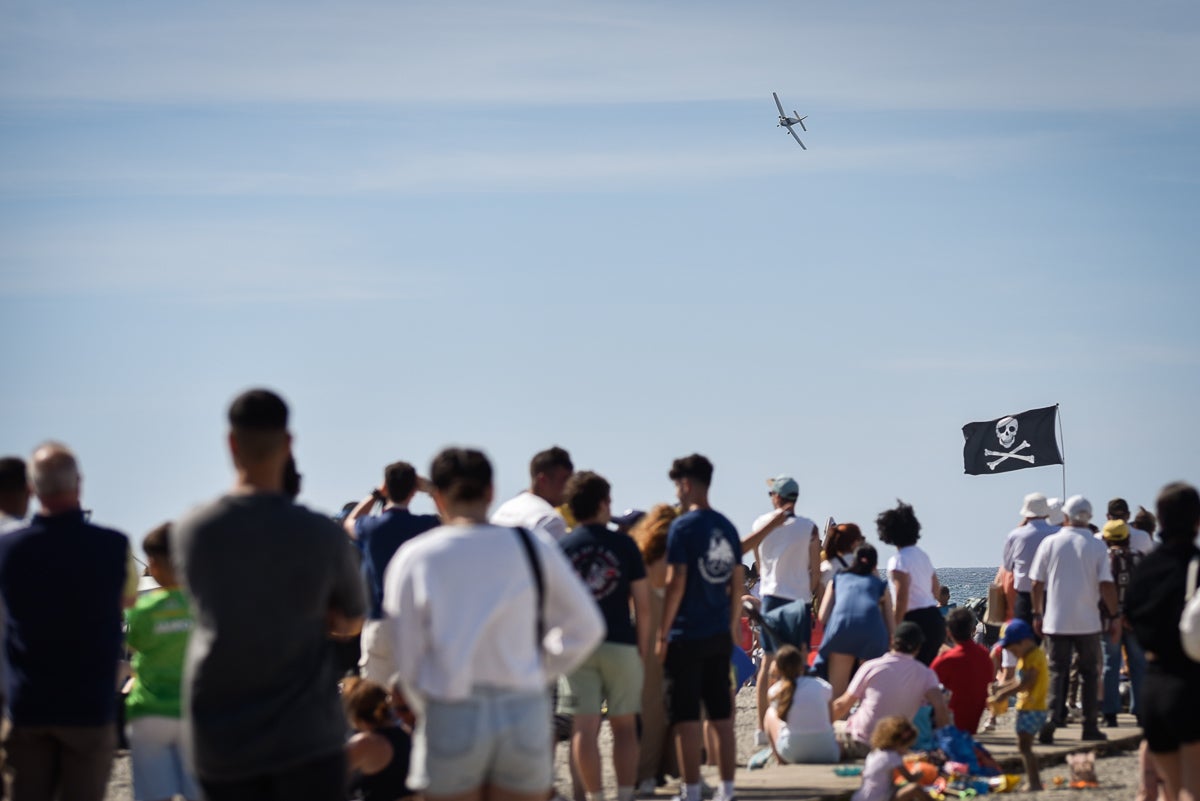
(1122,559)
(1189,622)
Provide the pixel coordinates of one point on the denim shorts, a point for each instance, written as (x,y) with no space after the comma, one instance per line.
(156,756)
(495,737)
(814,748)
(1030,721)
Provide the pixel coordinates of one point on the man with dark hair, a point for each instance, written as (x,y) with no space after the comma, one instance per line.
(378,538)
(788,550)
(14,494)
(487,617)
(700,623)
(535,508)
(965,670)
(270,583)
(893,684)
(63,637)
(1139,540)
(611,566)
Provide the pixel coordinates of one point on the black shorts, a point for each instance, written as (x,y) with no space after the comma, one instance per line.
(697,671)
(1168,710)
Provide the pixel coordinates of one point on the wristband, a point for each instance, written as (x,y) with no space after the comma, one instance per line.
(377,495)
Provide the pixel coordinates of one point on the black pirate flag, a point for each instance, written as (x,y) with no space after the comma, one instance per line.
(1011,443)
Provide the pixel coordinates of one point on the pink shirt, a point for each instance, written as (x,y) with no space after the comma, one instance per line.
(893,684)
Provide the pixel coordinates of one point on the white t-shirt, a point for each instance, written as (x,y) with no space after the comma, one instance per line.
(912,560)
(1072,564)
(532,512)
(784,554)
(877,774)
(460,602)
(1140,541)
(831,567)
(809,712)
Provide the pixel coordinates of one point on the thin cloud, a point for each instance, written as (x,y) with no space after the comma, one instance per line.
(923,55)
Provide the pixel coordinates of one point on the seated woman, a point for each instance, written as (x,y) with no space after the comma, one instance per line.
(857,614)
(798,722)
(378,753)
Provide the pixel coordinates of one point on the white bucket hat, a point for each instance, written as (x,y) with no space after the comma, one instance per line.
(1035,505)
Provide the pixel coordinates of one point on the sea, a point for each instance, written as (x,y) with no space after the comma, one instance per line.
(966,582)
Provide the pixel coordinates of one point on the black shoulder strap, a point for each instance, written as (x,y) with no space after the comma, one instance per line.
(535,567)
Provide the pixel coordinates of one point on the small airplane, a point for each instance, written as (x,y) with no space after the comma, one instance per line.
(787,122)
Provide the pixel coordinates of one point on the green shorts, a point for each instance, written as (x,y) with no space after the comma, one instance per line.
(612,673)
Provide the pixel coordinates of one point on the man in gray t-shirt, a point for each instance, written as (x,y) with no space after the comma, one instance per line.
(270,584)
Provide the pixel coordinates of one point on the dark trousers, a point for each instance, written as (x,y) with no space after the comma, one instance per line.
(933,626)
(319,779)
(70,763)
(1023,608)
(1059,648)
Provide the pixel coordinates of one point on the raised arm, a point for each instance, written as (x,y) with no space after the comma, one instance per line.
(363,509)
(754,539)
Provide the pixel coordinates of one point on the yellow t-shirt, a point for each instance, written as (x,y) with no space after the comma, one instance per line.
(1034,700)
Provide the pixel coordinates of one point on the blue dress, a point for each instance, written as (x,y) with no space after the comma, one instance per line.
(856,625)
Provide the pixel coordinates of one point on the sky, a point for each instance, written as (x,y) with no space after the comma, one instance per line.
(532,223)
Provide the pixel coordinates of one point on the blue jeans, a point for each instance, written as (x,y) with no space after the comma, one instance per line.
(1136,659)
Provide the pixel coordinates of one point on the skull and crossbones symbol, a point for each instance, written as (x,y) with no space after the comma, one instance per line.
(1006,433)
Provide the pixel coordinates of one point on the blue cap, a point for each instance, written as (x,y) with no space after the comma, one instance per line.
(1016,630)
(785,487)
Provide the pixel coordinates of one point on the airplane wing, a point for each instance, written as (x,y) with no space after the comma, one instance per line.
(778,104)
(793,133)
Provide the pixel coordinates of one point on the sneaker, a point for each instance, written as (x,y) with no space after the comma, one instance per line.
(1110,721)
(1046,735)
(720,796)
(760,738)
(1092,734)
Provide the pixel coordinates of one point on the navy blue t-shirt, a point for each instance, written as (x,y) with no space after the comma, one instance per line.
(608,562)
(707,544)
(379,537)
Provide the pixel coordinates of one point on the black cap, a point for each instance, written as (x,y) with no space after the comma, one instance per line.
(909,637)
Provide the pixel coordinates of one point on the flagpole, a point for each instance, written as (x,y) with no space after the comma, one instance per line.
(1062,446)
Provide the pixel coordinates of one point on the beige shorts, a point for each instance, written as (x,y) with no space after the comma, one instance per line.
(375,664)
(613,673)
(850,746)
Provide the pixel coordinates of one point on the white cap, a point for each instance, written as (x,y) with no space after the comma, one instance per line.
(1077,509)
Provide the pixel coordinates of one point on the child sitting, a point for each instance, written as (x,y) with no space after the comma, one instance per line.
(378,754)
(891,738)
(1030,685)
(797,722)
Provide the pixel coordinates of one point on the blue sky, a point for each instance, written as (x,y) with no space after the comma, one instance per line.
(512,225)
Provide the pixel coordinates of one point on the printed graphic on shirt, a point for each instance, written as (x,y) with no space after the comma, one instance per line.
(600,570)
(716,566)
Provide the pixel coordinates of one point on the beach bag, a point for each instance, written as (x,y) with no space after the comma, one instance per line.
(1189,622)
(997,605)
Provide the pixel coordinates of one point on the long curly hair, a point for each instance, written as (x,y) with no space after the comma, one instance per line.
(650,533)
(899,526)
